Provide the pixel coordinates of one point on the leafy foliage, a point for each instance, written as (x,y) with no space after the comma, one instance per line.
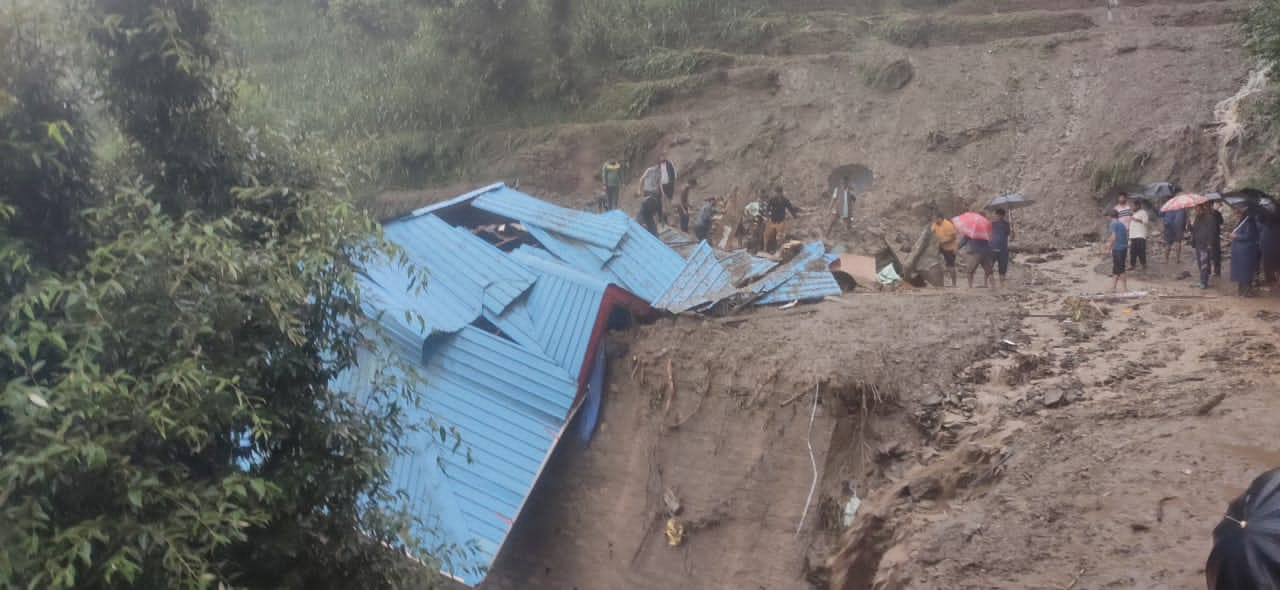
(166,418)
(1262,28)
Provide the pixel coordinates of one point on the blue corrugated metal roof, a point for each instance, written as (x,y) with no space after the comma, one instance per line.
(463,271)
(457,200)
(601,231)
(509,406)
(808,258)
(804,285)
(641,263)
(703,279)
(559,314)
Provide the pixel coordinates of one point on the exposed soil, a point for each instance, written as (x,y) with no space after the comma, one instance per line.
(1024,438)
(732,443)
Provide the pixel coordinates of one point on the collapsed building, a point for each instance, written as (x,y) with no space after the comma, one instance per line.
(505,342)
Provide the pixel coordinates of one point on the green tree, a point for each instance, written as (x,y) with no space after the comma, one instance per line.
(166,418)
(1262,28)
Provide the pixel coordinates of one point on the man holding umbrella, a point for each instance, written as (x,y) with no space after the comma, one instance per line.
(976,232)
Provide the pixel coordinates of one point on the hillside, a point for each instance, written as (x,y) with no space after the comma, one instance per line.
(953,104)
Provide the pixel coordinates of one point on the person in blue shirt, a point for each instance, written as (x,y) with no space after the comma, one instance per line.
(1001,232)
(1118,244)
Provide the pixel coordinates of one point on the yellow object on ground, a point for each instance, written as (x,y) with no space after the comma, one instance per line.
(675,532)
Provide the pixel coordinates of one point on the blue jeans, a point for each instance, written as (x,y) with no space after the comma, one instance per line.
(1204,260)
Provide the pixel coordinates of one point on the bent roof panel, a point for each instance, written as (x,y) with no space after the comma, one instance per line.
(597,230)
(464,275)
(703,279)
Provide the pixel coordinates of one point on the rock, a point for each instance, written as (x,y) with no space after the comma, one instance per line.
(1036,260)
(1054,398)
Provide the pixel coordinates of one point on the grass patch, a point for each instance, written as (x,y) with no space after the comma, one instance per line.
(1122,170)
(661,64)
(632,100)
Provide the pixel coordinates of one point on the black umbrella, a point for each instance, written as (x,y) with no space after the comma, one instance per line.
(1246,544)
(1011,201)
(1160,190)
(860,177)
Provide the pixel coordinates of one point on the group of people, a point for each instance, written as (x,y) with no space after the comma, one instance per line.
(992,255)
(763,225)
(1255,241)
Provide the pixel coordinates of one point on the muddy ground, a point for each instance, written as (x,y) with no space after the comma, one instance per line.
(1019,438)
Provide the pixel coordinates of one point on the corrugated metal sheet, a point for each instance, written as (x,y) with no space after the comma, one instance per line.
(559,314)
(679,241)
(509,406)
(594,229)
(704,279)
(808,256)
(804,285)
(458,200)
(641,263)
(742,265)
(463,271)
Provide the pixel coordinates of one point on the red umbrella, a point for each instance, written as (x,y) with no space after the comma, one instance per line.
(1184,201)
(973,226)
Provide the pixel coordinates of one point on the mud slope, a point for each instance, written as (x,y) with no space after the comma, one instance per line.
(731,445)
(1001,96)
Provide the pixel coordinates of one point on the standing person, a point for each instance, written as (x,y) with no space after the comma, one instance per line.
(1001,233)
(1244,251)
(702,224)
(611,179)
(1118,245)
(667,170)
(843,200)
(1216,253)
(1269,244)
(982,255)
(753,223)
(1123,210)
(1205,231)
(1175,225)
(776,210)
(651,206)
(1138,229)
(682,209)
(948,242)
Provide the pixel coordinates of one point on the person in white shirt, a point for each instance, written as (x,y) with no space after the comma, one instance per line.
(1138,226)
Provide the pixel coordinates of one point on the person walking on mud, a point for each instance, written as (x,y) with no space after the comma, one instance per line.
(706,215)
(776,210)
(981,255)
(1205,231)
(651,206)
(1175,226)
(1244,251)
(1118,245)
(682,208)
(1138,229)
(1001,233)
(948,238)
(667,172)
(611,180)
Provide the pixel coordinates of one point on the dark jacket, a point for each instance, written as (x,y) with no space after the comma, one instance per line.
(1205,231)
(778,207)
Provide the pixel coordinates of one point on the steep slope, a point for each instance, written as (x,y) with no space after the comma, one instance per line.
(1053,99)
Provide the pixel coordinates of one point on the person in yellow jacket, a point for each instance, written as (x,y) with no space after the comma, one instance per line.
(948,242)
